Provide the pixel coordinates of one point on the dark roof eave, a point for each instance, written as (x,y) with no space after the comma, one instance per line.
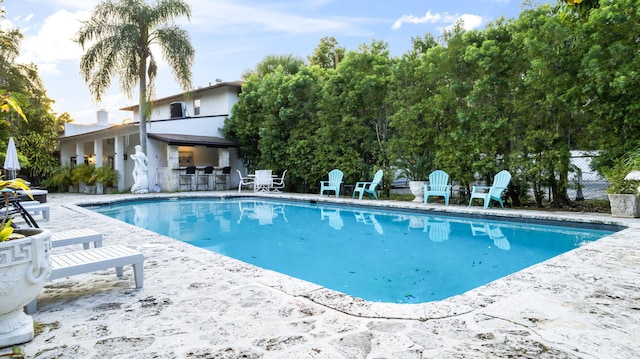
(192,140)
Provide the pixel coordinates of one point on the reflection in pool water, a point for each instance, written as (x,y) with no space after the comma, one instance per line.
(388,256)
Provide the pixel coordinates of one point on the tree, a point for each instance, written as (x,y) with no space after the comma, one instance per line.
(355,113)
(274,122)
(119,36)
(608,69)
(290,65)
(22,97)
(328,54)
(581,8)
(416,118)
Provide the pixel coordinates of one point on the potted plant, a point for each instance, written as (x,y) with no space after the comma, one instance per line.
(62,178)
(84,175)
(24,271)
(106,177)
(416,168)
(623,192)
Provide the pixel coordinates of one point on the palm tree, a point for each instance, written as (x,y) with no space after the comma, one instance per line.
(120,34)
(291,65)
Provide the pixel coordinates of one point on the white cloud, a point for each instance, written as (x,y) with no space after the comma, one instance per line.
(83,109)
(49,68)
(428,18)
(74,5)
(469,21)
(54,40)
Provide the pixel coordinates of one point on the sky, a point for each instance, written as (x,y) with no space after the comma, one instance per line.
(231,36)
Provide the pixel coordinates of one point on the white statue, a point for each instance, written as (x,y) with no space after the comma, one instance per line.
(140,178)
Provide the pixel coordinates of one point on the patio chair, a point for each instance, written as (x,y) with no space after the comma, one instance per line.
(244,181)
(494,192)
(368,187)
(263,181)
(204,178)
(222,177)
(438,186)
(333,184)
(186,178)
(278,183)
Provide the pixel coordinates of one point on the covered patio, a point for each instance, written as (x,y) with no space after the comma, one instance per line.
(180,152)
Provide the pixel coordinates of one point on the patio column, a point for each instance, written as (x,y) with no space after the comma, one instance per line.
(97,149)
(79,153)
(223,157)
(172,176)
(118,160)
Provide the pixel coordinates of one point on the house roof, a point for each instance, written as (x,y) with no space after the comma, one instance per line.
(191,140)
(180,97)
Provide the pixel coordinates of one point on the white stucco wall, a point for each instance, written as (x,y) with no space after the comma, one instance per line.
(195,126)
(119,142)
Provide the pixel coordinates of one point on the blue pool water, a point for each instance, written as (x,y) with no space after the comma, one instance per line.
(386,256)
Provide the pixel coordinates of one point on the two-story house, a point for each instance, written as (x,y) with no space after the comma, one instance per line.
(183,131)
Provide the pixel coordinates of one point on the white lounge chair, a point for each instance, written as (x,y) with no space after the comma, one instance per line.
(82,236)
(94,259)
(35,207)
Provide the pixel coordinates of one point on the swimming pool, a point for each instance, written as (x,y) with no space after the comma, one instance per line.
(386,256)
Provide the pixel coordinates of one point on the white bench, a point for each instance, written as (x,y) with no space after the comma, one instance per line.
(76,236)
(94,259)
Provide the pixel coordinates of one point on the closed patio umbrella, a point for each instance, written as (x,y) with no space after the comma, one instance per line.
(11,164)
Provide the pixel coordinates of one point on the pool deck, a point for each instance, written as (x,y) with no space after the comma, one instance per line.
(198,304)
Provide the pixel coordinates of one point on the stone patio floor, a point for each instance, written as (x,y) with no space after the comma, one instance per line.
(198,304)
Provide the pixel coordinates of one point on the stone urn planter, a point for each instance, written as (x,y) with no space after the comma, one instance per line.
(417,189)
(624,205)
(24,268)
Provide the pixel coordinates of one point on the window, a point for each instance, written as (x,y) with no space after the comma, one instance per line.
(196,107)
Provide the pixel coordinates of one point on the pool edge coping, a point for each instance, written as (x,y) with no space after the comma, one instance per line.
(467,302)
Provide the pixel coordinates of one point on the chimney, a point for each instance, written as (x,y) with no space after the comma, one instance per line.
(103,117)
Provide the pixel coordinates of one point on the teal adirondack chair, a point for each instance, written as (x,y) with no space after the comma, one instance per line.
(368,187)
(500,183)
(438,186)
(333,184)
